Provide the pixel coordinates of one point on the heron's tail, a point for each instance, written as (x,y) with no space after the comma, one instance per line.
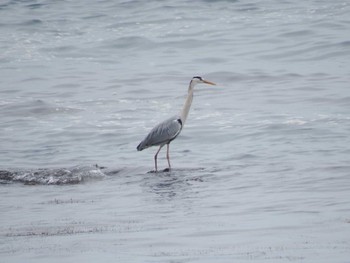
(140,147)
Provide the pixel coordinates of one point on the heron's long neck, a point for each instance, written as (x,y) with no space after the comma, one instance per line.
(188,102)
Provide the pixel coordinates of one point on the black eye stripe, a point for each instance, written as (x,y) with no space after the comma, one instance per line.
(197,77)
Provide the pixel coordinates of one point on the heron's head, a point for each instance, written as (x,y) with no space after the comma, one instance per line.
(195,80)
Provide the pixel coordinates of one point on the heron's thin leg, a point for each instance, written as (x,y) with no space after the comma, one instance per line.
(155,158)
(167,155)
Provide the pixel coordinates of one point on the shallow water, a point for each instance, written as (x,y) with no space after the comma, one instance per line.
(260,170)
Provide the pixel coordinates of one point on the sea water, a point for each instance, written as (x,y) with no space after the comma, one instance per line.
(260,171)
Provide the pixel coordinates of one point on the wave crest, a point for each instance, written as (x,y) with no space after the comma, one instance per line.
(55,176)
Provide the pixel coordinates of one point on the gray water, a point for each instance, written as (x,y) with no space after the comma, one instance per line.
(260,171)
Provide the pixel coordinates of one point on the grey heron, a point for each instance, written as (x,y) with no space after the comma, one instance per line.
(165,132)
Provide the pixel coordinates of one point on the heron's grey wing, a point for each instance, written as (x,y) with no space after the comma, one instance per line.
(163,133)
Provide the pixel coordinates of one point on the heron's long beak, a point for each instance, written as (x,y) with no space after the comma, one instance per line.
(208,82)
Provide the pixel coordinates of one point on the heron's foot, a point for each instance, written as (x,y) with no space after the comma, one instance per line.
(166,170)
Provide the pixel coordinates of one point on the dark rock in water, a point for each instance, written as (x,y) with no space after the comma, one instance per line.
(6,175)
(100,167)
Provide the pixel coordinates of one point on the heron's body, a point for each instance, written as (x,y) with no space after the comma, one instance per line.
(166,131)
(163,133)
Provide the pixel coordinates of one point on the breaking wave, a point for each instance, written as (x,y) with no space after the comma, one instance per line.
(54,176)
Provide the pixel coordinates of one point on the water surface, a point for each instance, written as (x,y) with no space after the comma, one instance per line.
(261,170)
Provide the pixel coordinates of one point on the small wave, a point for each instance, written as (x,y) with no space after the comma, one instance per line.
(295,122)
(55,176)
(35,6)
(32,22)
(129,42)
(33,108)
